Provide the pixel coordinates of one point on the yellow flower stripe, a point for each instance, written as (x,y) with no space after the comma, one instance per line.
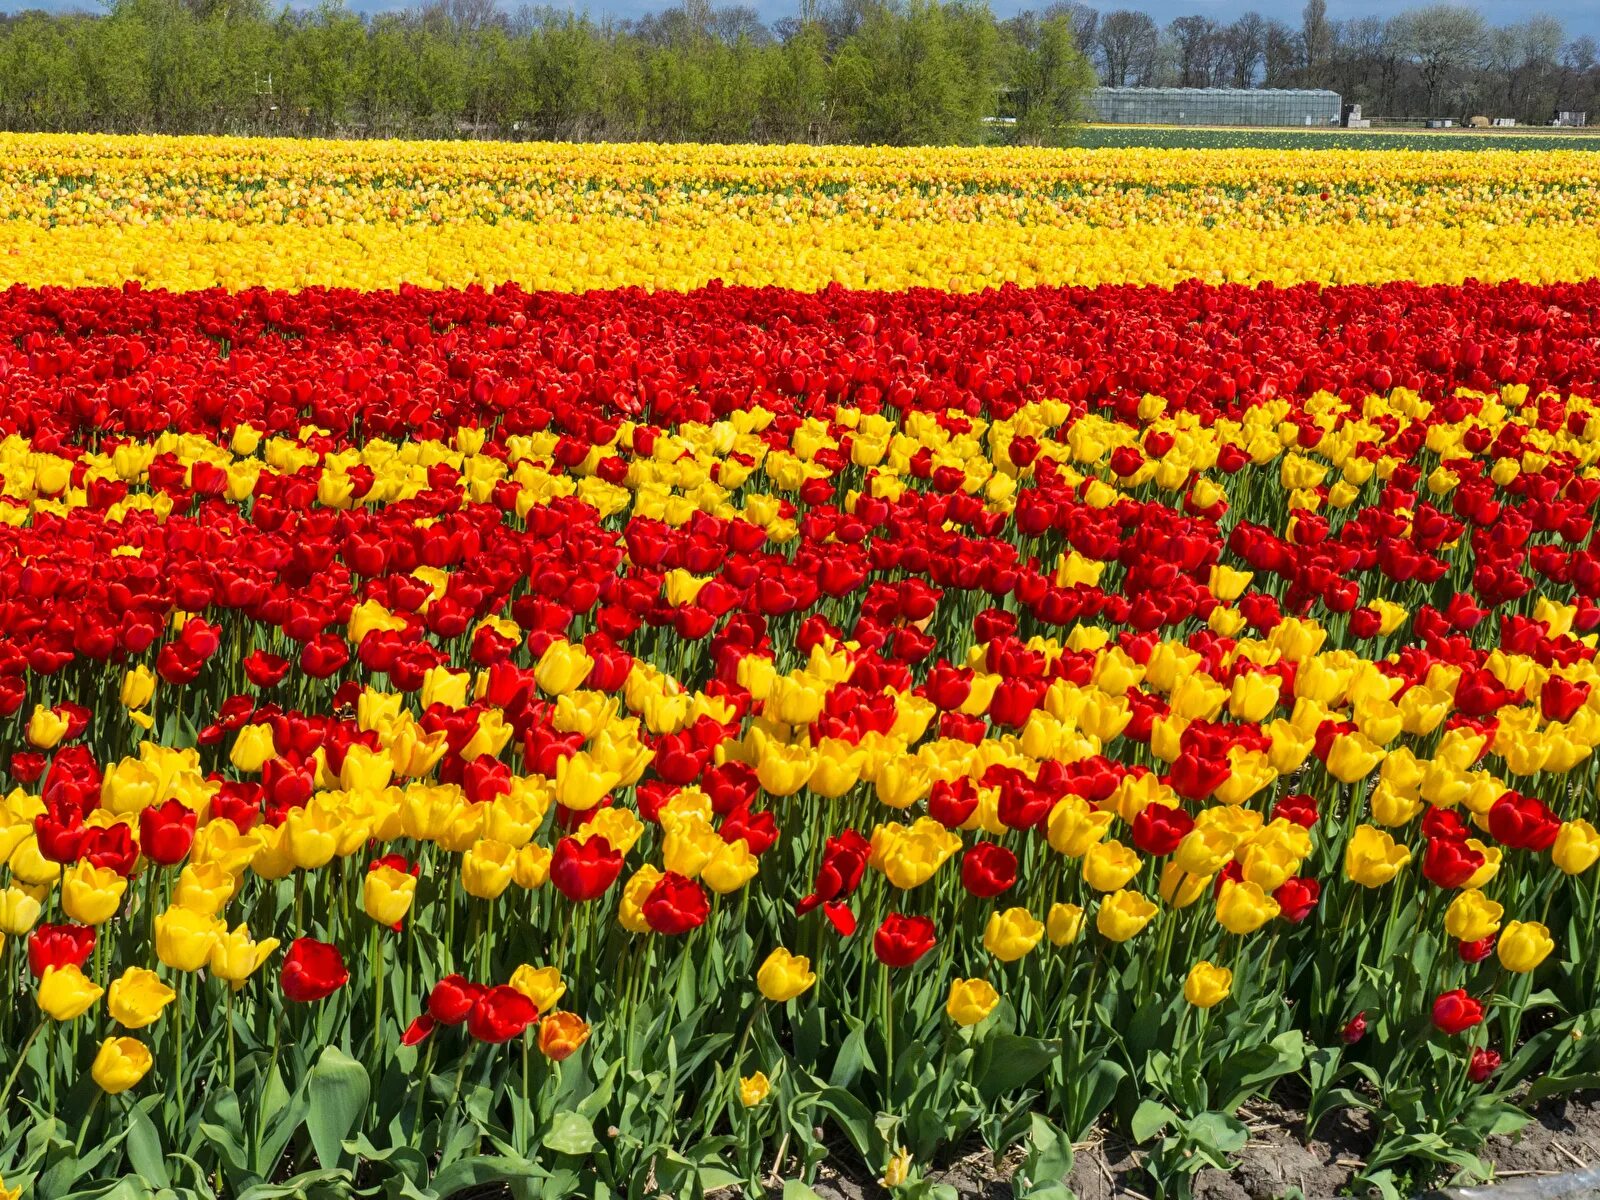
(196,212)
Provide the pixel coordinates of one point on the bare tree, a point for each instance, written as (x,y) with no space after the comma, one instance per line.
(737,23)
(461,17)
(1359,42)
(1391,56)
(1195,41)
(1317,36)
(1127,43)
(1246,43)
(1081,19)
(1281,55)
(1575,80)
(1537,48)
(1442,41)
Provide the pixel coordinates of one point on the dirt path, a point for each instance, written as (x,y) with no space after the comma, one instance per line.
(1564,1137)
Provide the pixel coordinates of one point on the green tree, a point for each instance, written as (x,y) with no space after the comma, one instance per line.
(915,74)
(1048,77)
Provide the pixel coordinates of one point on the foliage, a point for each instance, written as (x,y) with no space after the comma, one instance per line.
(919,72)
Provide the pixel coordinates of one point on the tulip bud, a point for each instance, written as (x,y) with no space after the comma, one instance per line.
(1483,1064)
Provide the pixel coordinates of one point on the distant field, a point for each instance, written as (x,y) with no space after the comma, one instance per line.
(1218,138)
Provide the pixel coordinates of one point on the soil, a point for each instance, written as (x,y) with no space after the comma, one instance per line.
(1563,1137)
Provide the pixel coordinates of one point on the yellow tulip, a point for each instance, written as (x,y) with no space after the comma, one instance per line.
(753,1089)
(1472,916)
(1207,984)
(138,687)
(46,728)
(236,955)
(783,976)
(184,938)
(1523,945)
(970,1001)
(66,993)
(543,985)
(205,888)
(252,747)
(1372,858)
(1576,849)
(486,869)
(120,1063)
(562,668)
(19,911)
(1108,866)
(1123,914)
(1244,907)
(387,894)
(1063,923)
(136,998)
(1011,934)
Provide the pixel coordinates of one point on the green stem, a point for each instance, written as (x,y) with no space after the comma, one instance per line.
(22,1056)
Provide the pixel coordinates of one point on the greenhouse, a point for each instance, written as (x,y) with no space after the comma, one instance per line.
(1213,106)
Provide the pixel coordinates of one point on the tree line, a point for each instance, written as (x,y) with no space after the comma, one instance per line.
(906,72)
(1441,60)
(873,71)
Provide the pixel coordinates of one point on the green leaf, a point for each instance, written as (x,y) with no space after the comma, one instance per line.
(481,1171)
(570,1133)
(144,1149)
(338,1090)
(852,1058)
(1218,1132)
(793,1189)
(1009,1061)
(324,1183)
(1554,1085)
(854,1121)
(1149,1119)
(1049,1157)
(1092,1090)
(1250,1070)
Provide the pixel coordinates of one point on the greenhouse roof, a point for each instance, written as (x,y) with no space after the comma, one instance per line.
(1241,93)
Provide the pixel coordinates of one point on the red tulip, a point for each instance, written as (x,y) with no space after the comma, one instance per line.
(1456,1011)
(312,970)
(902,940)
(1449,864)
(500,1014)
(59,946)
(1297,898)
(1523,822)
(1483,1064)
(1158,828)
(452,998)
(988,869)
(584,870)
(675,905)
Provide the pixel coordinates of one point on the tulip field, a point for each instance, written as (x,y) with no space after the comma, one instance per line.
(617,671)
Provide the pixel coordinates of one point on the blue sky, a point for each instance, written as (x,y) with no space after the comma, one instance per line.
(1579,16)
